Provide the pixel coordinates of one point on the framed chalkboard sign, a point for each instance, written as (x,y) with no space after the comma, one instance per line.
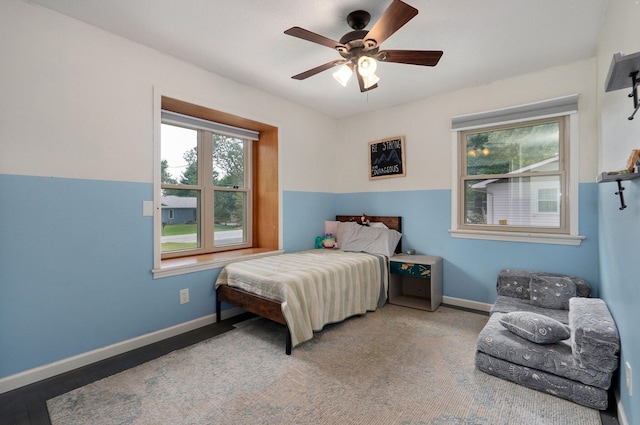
(386,158)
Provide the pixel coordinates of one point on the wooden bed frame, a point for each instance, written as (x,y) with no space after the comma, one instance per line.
(271,309)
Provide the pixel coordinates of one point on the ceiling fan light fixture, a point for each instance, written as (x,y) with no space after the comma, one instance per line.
(361,49)
(367,66)
(342,75)
(370,80)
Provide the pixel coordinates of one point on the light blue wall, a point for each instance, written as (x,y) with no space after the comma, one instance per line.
(471,266)
(619,237)
(303,216)
(75,264)
(75,261)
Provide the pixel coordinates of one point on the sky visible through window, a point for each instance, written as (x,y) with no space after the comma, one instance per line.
(175,142)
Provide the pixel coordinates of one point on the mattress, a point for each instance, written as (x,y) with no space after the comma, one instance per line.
(315,287)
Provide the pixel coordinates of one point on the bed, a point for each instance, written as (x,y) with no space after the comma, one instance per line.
(306,290)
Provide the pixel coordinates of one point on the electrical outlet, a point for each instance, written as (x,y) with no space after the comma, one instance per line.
(627,369)
(184,296)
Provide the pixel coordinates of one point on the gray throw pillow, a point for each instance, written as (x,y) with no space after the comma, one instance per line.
(552,292)
(535,327)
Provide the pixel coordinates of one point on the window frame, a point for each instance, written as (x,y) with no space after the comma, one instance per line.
(561,172)
(207,190)
(265,175)
(564,106)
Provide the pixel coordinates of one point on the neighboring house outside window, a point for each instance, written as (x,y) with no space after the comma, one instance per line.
(514,175)
(179,209)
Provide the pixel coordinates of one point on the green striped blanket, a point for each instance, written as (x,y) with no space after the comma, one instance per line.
(315,287)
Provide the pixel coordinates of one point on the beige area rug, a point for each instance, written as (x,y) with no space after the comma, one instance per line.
(392,366)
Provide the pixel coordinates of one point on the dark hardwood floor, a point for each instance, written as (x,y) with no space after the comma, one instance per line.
(27,405)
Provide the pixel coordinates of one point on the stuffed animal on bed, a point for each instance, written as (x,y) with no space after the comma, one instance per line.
(329,241)
(364,220)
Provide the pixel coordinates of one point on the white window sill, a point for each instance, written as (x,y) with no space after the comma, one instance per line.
(546,238)
(197,263)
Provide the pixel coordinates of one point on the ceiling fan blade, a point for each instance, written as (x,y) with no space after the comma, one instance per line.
(361,83)
(411,57)
(318,69)
(396,15)
(313,37)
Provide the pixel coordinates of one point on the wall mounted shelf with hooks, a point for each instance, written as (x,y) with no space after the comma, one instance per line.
(623,73)
(619,178)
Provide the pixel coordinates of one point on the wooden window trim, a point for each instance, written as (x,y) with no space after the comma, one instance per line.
(264,175)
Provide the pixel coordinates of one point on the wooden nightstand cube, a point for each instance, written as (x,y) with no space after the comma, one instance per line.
(415,281)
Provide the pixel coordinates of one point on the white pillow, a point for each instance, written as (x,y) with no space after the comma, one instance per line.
(331,227)
(374,240)
(336,228)
(378,224)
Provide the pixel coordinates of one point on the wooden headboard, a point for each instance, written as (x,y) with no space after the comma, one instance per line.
(392,222)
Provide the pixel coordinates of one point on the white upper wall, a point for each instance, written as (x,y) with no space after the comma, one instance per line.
(618,135)
(426,126)
(77,102)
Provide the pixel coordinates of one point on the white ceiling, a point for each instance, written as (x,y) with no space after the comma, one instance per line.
(244,40)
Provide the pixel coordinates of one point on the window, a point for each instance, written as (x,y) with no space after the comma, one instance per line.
(216,186)
(206,189)
(514,179)
(548,200)
(505,170)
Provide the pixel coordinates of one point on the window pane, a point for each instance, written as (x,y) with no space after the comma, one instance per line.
(180,220)
(513,150)
(228,161)
(230,217)
(548,199)
(179,153)
(513,201)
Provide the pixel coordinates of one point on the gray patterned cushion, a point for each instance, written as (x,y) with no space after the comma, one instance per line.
(507,305)
(535,327)
(582,287)
(587,395)
(595,340)
(514,283)
(497,341)
(552,292)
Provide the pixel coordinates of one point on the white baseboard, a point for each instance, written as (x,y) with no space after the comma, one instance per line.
(473,305)
(622,418)
(36,374)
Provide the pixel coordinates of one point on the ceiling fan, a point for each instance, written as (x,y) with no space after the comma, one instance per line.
(360,49)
